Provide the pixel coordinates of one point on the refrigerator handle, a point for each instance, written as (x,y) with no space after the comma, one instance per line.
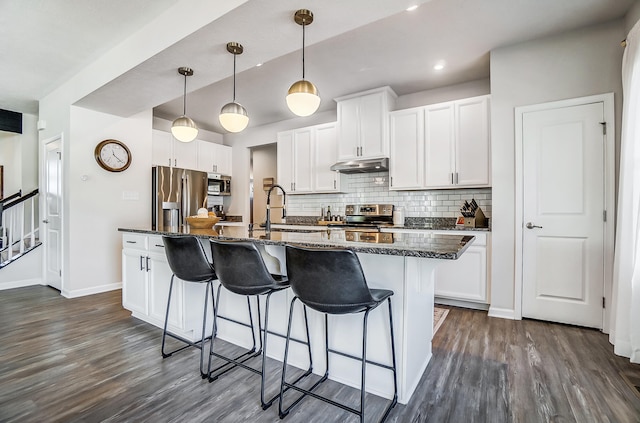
(186,200)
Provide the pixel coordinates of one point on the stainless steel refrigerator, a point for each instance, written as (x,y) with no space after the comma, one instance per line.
(177,193)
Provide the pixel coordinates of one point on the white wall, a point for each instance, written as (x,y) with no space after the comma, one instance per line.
(440,95)
(569,65)
(633,16)
(96,205)
(184,18)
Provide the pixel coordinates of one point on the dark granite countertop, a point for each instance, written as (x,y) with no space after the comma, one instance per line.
(413,223)
(438,246)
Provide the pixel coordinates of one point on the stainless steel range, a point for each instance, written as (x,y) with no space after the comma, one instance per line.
(372,215)
(363,222)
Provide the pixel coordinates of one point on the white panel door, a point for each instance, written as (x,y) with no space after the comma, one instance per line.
(406,166)
(326,154)
(53,214)
(563,203)
(439,146)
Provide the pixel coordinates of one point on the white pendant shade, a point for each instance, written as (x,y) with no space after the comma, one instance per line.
(302,98)
(184,129)
(233,117)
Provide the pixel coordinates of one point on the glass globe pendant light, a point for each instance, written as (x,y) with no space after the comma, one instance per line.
(233,117)
(303,98)
(184,128)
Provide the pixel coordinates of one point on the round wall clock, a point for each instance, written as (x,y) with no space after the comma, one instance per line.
(113,155)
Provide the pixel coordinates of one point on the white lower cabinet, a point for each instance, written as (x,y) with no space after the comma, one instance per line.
(465,281)
(146,277)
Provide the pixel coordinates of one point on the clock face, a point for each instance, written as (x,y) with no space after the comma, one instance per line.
(113,155)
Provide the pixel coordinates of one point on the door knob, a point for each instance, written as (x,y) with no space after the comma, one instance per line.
(531,226)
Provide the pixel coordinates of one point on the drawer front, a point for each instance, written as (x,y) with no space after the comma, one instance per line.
(156,245)
(134,241)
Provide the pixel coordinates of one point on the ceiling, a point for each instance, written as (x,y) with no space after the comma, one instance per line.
(351,46)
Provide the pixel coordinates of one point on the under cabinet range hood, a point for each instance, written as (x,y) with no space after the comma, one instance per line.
(362,165)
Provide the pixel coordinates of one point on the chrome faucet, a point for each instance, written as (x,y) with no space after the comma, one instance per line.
(284,202)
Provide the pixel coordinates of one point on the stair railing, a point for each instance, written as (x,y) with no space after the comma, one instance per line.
(18,230)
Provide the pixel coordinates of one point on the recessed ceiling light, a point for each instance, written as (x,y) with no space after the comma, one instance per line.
(412,8)
(258,65)
(439,66)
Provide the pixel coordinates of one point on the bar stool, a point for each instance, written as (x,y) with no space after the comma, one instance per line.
(188,262)
(241,270)
(331,281)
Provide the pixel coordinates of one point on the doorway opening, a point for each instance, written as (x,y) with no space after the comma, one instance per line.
(263,167)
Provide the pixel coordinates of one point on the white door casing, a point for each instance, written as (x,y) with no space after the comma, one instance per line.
(563,189)
(52,216)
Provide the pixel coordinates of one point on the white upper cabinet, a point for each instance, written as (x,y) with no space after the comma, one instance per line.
(215,158)
(167,151)
(439,159)
(443,145)
(305,156)
(302,160)
(473,152)
(326,155)
(407,149)
(363,124)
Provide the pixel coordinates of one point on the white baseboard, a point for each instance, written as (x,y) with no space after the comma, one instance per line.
(90,291)
(502,313)
(20,284)
(461,303)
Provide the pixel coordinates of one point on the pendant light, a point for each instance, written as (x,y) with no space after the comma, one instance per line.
(233,117)
(184,128)
(303,98)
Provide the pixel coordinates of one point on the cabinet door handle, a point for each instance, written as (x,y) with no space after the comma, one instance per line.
(391,181)
(147,263)
(160,245)
(456,178)
(334,184)
(452,178)
(215,168)
(141,265)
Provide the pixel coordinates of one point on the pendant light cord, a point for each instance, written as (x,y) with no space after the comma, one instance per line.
(184,97)
(234,77)
(303,25)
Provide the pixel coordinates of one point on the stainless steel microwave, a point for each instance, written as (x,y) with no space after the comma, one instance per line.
(218,184)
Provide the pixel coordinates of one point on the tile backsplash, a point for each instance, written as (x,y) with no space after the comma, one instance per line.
(363,188)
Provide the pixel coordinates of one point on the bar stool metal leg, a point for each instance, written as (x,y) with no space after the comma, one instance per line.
(198,344)
(283,412)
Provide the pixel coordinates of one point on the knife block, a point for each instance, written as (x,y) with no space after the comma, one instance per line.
(477,221)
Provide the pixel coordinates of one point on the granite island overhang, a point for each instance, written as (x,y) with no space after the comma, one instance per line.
(407,266)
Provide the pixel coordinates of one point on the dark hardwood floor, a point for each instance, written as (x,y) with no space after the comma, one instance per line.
(87,360)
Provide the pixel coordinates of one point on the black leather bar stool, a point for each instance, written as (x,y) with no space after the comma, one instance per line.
(189,262)
(331,281)
(241,270)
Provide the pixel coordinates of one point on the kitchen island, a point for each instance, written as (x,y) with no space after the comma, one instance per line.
(405,264)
